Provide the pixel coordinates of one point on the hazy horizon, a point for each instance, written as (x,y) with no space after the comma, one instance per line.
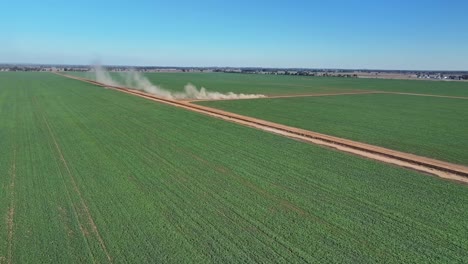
(221,67)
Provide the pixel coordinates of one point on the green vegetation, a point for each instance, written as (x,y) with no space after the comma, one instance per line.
(281,84)
(92,173)
(427,126)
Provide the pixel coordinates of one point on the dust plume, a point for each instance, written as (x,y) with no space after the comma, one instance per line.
(136,80)
(103,76)
(191,92)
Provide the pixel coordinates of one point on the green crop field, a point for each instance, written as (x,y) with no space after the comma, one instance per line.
(93,175)
(281,84)
(428,126)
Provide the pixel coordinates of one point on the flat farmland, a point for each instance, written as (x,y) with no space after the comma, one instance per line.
(428,126)
(224,83)
(282,84)
(94,175)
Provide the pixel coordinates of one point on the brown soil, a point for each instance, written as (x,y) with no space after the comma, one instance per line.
(435,167)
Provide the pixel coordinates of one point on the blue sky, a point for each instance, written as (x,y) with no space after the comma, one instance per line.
(317,34)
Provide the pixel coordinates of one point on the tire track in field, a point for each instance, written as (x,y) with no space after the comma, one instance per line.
(427,95)
(83,230)
(11,210)
(78,192)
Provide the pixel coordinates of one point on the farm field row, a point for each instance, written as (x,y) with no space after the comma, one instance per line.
(281,84)
(103,175)
(427,126)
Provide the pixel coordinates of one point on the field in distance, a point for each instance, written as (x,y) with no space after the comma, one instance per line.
(103,176)
(428,126)
(282,84)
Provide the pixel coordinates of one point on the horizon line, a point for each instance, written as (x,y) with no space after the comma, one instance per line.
(238,67)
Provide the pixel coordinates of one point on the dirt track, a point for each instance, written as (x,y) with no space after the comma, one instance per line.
(435,167)
(427,95)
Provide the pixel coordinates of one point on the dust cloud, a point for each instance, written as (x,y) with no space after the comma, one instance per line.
(136,80)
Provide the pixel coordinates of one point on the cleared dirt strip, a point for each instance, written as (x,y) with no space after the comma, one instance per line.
(432,166)
(428,95)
